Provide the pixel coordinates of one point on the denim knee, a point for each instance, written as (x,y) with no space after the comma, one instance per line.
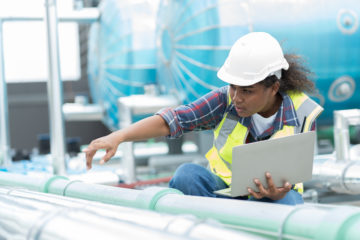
(184,175)
(193,179)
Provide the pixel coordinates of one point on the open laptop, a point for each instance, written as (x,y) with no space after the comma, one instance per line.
(287,159)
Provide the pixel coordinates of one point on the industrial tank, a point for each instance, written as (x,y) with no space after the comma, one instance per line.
(193,39)
(326,35)
(121,58)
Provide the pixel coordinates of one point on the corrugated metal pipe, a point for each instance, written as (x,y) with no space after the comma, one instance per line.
(270,220)
(31,215)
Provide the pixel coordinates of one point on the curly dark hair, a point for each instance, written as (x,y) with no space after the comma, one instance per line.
(296,78)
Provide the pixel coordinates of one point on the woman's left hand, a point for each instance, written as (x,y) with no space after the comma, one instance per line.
(272,191)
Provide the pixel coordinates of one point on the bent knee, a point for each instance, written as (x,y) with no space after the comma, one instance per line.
(186,174)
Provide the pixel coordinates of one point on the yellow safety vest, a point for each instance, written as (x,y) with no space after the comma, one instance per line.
(230,132)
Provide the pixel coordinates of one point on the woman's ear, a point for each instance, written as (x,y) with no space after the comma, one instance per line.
(275,87)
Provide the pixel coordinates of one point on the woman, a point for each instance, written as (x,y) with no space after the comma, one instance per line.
(264,99)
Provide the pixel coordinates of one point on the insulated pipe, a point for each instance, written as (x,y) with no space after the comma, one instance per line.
(340,177)
(55,92)
(29,219)
(272,220)
(39,184)
(342,120)
(60,185)
(183,226)
(5,158)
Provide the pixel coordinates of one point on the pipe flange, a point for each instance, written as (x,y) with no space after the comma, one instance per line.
(342,89)
(347,21)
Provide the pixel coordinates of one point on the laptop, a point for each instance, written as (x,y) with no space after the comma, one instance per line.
(288,158)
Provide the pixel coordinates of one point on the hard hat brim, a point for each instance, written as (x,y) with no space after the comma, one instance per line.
(251,79)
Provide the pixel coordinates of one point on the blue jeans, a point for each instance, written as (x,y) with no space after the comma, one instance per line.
(193,179)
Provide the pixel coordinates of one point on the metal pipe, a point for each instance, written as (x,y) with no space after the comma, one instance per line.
(55,92)
(341,137)
(136,105)
(270,220)
(85,15)
(340,177)
(342,120)
(182,226)
(5,158)
(29,219)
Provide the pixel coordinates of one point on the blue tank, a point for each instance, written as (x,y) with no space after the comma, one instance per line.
(122,55)
(193,39)
(326,35)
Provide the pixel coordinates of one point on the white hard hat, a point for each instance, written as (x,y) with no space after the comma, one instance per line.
(252,58)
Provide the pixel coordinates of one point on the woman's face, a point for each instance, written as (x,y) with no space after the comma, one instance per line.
(254,99)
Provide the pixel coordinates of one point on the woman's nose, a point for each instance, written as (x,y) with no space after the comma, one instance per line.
(237,96)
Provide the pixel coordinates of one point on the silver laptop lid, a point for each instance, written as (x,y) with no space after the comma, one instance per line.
(287,159)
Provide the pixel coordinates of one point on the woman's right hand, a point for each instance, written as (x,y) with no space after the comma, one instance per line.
(109,143)
(154,126)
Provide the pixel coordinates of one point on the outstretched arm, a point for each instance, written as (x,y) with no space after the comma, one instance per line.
(154,126)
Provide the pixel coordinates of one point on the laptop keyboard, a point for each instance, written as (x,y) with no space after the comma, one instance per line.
(226,190)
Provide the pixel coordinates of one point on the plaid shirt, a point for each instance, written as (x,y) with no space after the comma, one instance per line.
(206,112)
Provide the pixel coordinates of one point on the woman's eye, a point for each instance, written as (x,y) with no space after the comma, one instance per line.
(247,91)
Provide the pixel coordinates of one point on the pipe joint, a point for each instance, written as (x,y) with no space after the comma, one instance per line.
(148,197)
(336,222)
(49,181)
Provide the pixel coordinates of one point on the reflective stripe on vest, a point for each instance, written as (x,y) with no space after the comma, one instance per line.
(230,132)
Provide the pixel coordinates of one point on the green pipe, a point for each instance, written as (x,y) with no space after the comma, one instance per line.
(31,183)
(60,185)
(328,133)
(108,194)
(306,221)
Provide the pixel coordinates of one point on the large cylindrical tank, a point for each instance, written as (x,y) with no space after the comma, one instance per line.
(193,40)
(327,36)
(122,56)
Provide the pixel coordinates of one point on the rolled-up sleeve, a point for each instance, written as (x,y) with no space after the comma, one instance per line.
(203,114)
